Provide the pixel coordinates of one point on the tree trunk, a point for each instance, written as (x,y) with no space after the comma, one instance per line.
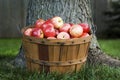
(73,11)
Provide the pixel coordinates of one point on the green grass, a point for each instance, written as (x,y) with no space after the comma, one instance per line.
(10,47)
(89,72)
(111,47)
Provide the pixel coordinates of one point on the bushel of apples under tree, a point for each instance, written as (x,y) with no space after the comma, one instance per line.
(56,28)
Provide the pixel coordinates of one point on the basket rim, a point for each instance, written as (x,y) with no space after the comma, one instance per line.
(45,41)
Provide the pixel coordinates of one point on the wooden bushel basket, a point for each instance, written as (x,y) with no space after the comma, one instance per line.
(55,55)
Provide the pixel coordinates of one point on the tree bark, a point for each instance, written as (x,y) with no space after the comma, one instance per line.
(72,11)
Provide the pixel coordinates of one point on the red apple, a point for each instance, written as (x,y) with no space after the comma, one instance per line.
(49,31)
(65,27)
(46,24)
(37,32)
(86,27)
(39,22)
(57,22)
(28,31)
(51,38)
(76,31)
(71,24)
(48,21)
(85,35)
(57,31)
(63,35)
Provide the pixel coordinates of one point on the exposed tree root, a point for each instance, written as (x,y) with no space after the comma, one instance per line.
(97,56)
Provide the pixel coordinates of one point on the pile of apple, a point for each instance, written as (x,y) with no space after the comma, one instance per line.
(55,28)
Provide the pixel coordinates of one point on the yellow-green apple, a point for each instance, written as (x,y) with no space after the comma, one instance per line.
(76,31)
(39,22)
(28,31)
(65,27)
(63,35)
(37,32)
(86,27)
(57,22)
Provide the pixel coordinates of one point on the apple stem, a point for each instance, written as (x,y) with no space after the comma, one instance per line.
(64,36)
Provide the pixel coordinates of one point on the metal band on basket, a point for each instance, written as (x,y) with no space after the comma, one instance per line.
(57,63)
